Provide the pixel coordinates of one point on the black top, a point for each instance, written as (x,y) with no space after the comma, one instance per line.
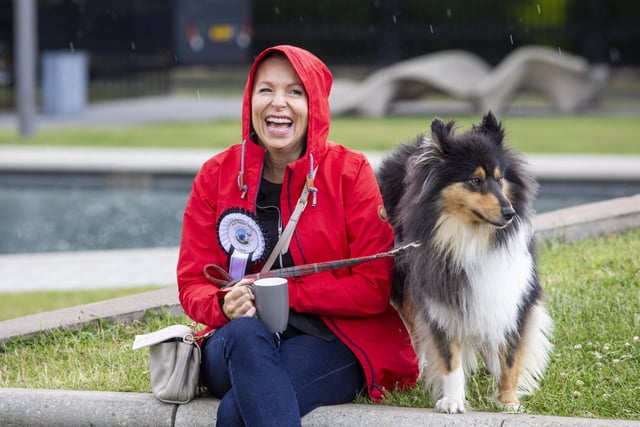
(268,213)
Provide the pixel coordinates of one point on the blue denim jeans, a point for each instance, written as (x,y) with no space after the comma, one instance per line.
(263,382)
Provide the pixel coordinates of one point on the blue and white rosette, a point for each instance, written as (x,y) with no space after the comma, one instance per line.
(242,237)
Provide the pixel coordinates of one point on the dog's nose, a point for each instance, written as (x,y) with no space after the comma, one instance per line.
(508,213)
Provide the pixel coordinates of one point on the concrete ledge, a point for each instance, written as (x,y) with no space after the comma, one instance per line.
(133,160)
(122,309)
(592,220)
(16,158)
(39,407)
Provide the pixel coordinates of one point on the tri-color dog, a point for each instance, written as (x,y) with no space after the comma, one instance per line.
(471,287)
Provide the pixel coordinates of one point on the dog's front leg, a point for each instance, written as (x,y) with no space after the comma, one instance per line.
(452,374)
(509,375)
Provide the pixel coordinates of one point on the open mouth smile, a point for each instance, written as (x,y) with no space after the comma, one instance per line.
(279,124)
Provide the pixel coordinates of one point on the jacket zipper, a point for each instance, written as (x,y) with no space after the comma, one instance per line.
(353,345)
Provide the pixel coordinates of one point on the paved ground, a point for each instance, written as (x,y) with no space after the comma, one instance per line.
(113,268)
(131,112)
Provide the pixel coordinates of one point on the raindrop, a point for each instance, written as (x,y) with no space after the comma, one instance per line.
(449,12)
(133,45)
(559,51)
(18,233)
(538,6)
(395,21)
(614,54)
(511,38)
(276,10)
(198,93)
(431,28)
(71,47)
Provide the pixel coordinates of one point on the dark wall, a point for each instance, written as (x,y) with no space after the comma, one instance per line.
(142,33)
(383,31)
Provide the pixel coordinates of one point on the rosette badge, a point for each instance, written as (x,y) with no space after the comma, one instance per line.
(242,237)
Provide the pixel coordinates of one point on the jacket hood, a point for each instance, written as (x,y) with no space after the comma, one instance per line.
(317,80)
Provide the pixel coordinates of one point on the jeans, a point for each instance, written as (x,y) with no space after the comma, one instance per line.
(263,382)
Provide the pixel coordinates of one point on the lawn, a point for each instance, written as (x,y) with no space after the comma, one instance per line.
(592,290)
(561,134)
(20,304)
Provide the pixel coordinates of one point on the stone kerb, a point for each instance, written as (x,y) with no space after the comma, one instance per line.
(39,408)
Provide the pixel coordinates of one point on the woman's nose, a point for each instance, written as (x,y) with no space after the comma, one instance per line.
(278,99)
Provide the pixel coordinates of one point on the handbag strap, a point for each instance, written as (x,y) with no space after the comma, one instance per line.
(285,238)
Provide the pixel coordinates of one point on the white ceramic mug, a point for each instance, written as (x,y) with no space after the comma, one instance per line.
(272,302)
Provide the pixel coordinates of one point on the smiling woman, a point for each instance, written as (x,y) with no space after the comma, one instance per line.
(285,151)
(279,114)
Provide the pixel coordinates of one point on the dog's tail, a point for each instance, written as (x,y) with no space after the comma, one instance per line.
(536,340)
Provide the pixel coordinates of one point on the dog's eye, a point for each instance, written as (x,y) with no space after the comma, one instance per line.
(475,181)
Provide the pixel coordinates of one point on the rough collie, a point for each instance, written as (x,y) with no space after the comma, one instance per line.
(470,289)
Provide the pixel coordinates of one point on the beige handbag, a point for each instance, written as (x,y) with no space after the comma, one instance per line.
(174,362)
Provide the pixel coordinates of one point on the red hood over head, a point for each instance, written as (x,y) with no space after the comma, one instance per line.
(317,80)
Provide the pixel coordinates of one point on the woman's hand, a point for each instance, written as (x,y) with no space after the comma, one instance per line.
(240,301)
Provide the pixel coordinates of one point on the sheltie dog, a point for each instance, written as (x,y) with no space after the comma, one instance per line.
(471,287)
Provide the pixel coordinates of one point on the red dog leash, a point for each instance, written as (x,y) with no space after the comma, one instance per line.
(218,276)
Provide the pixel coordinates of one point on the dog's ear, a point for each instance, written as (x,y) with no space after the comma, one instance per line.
(441,132)
(491,127)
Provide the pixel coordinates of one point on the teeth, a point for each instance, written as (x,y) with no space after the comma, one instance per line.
(279,120)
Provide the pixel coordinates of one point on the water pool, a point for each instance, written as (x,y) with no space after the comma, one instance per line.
(76,212)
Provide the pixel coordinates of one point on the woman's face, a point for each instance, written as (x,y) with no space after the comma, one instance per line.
(279,108)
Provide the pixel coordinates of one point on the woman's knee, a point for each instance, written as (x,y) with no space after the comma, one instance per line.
(245,334)
(239,343)
(243,329)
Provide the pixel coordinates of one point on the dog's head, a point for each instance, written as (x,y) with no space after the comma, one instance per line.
(477,174)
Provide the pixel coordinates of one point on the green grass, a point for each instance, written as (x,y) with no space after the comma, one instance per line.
(97,357)
(593,292)
(20,304)
(574,134)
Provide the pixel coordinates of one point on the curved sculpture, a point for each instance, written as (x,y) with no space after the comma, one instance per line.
(569,80)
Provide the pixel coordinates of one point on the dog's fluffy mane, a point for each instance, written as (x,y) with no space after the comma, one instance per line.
(434,161)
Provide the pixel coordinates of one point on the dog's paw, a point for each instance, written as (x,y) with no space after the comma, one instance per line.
(447,405)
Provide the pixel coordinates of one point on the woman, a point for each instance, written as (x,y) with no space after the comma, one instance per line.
(343,335)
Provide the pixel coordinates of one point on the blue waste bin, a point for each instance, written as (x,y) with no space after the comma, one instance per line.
(64,82)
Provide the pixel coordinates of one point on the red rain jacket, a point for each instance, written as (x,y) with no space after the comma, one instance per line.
(348,221)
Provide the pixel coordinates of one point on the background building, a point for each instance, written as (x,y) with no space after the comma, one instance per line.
(135,45)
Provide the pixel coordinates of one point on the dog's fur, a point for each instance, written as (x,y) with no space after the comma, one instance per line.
(471,286)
